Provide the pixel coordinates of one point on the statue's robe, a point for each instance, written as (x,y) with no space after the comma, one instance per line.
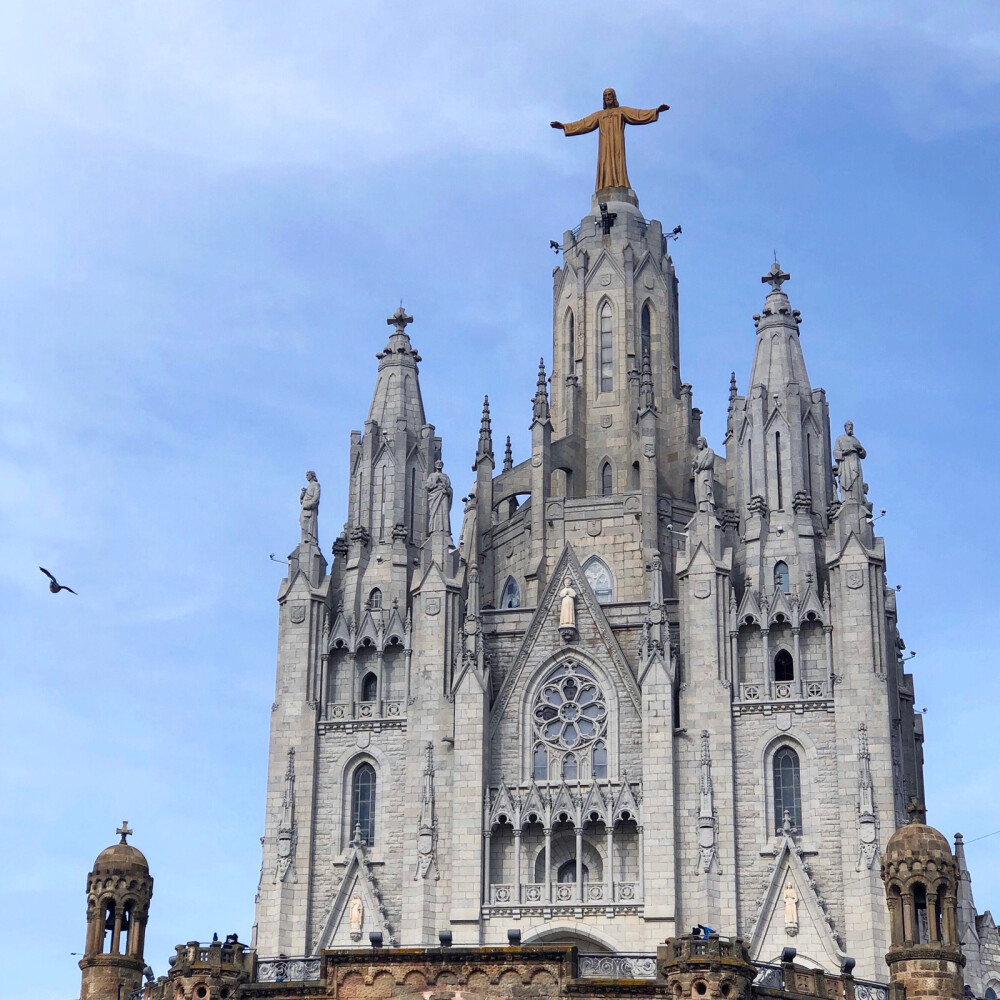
(611,170)
(847,452)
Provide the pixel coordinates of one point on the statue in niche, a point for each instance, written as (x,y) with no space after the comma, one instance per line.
(704,475)
(611,120)
(848,452)
(791,900)
(439,496)
(567,606)
(309,502)
(356,913)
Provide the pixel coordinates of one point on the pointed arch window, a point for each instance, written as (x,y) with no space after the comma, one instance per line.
(606,355)
(375,599)
(644,336)
(570,344)
(777,469)
(567,872)
(363,802)
(599,577)
(784,666)
(369,687)
(600,760)
(781,581)
(787,791)
(540,763)
(607,480)
(511,595)
(570,767)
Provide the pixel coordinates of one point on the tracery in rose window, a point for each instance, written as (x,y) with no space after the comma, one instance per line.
(570,711)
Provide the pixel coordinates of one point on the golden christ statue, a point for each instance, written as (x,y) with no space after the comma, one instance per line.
(611,120)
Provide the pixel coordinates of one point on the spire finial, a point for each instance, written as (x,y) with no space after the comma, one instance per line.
(485,447)
(124,831)
(733,390)
(775,277)
(399,319)
(508,456)
(540,403)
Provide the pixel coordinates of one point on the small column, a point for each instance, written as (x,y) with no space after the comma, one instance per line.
(932,924)
(828,629)
(548,864)
(116,935)
(642,861)
(768,668)
(909,930)
(487,893)
(324,685)
(579,862)
(609,872)
(517,862)
(798,663)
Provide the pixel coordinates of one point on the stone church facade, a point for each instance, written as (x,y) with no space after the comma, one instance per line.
(647,687)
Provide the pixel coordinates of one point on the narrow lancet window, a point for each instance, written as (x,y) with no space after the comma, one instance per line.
(375,599)
(781,577)
(600,760)
(369,687)
(511,595)
(607,480)
(606,357)
(784,666)
(570,345)
(644,336)
(363,802)
(787,793)
(777,470)
(540,763)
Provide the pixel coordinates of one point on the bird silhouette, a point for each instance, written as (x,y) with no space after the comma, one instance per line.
(54,585)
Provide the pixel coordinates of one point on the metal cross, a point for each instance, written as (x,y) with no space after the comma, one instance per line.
(399,320)
(775,277)
(124,831)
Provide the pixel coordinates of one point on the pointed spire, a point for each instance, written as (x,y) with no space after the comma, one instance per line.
(778,360)
(485,447)
(966,904)
(508,456)
(397,392)
(646,387)
(540,403)
(733,389)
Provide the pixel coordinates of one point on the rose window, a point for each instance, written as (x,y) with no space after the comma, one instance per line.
(570,711)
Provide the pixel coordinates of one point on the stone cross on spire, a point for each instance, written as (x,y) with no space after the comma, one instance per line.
(775,277)
(399,319)
(124,831)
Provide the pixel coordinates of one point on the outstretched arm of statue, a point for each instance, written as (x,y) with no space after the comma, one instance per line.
(555,124)
(583,126)
(642,116)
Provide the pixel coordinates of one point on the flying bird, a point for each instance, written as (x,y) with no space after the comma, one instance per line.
(54,585)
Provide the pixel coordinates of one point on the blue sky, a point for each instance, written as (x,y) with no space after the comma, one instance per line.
(206,214)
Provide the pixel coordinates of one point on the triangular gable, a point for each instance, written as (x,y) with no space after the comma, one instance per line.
(811,933)
(625,802)
(567,565)
(749,608)
(594,803)
(394,628)
(811,605)
(340,634)
(780,605)
(357,882)
(595,268)
(370,629)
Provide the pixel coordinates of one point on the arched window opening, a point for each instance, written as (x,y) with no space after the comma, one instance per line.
(750,465)
(921,928)
(363,803)
(777,470)
(784,666)
(375,599)
(787,793)
(511,594)
(644,336)
(369,687)
(108,931)
(413,499)
(599,577)
(570,767)
(540,763)
(125,946)
(990,994)
(781,577)
(809,464)
(567,872)
(635,476)
(600,760)
(570,345)
(607,480)
(606,356)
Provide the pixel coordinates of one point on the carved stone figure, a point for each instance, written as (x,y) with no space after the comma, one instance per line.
(309,502)
(611,121)
(704,475)
(439,494)
(791,900)
(567,605)
(356,913)
(848,452)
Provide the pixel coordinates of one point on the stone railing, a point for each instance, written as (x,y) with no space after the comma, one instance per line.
(815,982)
(761,691)
(346,711)
(621,966)
(563,894)
(287,970)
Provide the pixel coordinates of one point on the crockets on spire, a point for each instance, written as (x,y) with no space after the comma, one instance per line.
(540,403)
(485,447)
(508,456)
(646,387)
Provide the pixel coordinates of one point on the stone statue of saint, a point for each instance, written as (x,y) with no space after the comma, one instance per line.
(847,453)
(356,912)
(567,605)
(704,475)
(611,121)
(439,496)
(791,901)
(309,501)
